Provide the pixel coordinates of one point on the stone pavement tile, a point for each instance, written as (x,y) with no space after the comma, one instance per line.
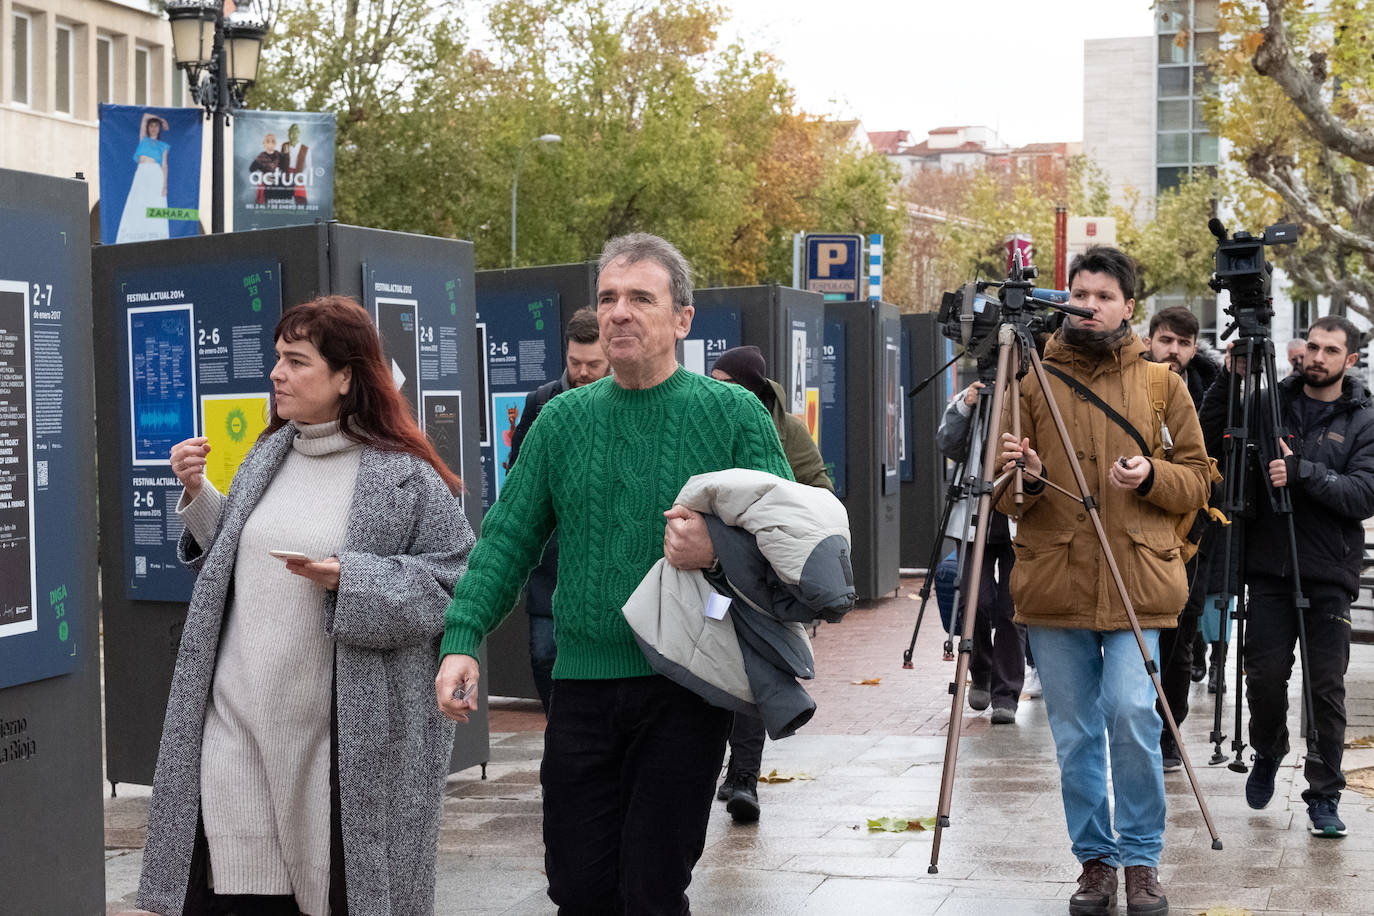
(1013,906)
(122,868)
(1214,895)
(1314,898)
(859,866)
(464,886)
(749,891)
(749,844)
(874,896)
(1229,856)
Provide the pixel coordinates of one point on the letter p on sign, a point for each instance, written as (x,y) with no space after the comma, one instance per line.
(828,255)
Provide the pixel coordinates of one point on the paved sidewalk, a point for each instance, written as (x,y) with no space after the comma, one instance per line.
(877,751)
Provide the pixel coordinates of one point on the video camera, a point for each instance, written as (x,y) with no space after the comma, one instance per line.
(1243,272)
(970,316)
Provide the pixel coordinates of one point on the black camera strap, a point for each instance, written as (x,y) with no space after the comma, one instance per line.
(1086,393)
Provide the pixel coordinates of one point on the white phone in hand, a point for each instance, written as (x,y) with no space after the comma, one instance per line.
(291,555)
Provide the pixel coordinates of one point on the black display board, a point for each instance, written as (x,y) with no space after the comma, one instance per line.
(521,316)
(867,336)
(52,850)
(252,275)
(923,490)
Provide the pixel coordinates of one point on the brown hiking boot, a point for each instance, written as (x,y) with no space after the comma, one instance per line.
(1144,896)
(1096,894)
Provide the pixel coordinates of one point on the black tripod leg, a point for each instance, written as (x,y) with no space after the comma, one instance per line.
(952,496)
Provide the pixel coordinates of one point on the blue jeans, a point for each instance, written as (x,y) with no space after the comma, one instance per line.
(543,653)
(1097,694)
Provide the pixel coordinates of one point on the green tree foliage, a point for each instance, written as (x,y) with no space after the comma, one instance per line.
(1295,87)
(662,130)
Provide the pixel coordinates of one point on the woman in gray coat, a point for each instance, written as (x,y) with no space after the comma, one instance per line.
(303,759)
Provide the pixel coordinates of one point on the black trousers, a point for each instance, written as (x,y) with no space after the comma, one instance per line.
(1176,650)
(629,772)
(746,743)
(1270,637)
(999,660)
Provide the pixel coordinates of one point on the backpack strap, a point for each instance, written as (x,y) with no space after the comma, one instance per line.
(1159,380)
(1102,405)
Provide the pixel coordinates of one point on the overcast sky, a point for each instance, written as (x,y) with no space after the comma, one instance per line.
(922,64)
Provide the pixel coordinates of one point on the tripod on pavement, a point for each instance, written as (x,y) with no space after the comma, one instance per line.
(1016,354)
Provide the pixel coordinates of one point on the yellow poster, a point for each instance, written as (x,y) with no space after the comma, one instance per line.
(231,422)
(813,414)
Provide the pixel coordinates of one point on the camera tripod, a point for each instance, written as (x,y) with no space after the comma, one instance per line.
(966,472)
(1251,440)
(1015,355)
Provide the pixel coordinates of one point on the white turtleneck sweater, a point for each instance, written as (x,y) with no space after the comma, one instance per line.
(265,754)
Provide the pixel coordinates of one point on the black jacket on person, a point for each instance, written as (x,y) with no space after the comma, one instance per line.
(1330,476)
(539,596)
(1206,574)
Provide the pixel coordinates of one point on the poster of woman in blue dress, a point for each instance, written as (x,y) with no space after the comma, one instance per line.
(149,173)
(149,190)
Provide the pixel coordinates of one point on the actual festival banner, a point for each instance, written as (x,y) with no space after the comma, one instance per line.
(149,173)
(283,168)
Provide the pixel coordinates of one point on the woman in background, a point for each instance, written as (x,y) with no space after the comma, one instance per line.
(149,188)
(303,759)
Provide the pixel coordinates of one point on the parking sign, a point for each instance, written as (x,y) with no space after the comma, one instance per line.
(833,267)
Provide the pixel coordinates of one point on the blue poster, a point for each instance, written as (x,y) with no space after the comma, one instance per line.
(44,443)
(283,168)
(834,439)
(715,329)
(162,380)
(199,350)
(149,173)
(908,471)
(521,342)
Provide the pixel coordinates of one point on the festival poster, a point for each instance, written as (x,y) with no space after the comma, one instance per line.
(162,380)
(283,168)
(18,596)
(505,412)
(198,340)
(231,423)
(398,325)
(714,330)
(813,414)
(442,421)
(798,389)
(149,173)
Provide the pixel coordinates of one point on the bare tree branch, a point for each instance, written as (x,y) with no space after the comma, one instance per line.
(1274,59)
(1280,175)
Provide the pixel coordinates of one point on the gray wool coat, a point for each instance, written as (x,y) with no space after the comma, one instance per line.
(406,545)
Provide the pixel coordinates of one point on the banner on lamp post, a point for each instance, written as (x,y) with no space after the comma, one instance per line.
(1021,243)
(283,168)
(149,173)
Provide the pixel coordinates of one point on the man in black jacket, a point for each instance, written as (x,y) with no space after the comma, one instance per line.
(585,363)
(1173,341)
(1327,464)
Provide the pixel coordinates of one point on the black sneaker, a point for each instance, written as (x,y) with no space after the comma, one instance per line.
(1322,819)
(1259,787)
(743,804)
(1168,750)
(979,696)
(1199,668)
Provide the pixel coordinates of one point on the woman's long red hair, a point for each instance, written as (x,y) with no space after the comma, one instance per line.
(373,412)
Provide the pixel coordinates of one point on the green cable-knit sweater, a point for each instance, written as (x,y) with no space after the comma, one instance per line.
(603,463)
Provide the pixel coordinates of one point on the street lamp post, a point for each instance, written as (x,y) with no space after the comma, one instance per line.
(515,183)
(220,56)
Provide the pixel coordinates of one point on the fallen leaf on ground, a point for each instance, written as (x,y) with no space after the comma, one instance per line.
(1366,741)
(867,682)
(775,776)
(901,824)
(1361,780)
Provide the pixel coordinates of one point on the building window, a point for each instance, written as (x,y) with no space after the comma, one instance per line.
(1173,81)
(20,55)
(1172,148)
(178,86)
(1170,177)
(141,75)
(1204,148)
(104,69)
(1302,316)
(63,66)
(1173,115)
(1172,48)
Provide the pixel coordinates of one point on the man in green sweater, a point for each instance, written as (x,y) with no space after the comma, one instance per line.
(630,758)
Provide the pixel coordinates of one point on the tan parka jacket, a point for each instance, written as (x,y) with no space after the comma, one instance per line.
(1061,577)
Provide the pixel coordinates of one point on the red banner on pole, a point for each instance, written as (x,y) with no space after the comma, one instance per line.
(1061,246)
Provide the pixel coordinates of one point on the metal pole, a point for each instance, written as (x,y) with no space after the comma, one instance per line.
(797,239)
(515,183)
(218,116)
